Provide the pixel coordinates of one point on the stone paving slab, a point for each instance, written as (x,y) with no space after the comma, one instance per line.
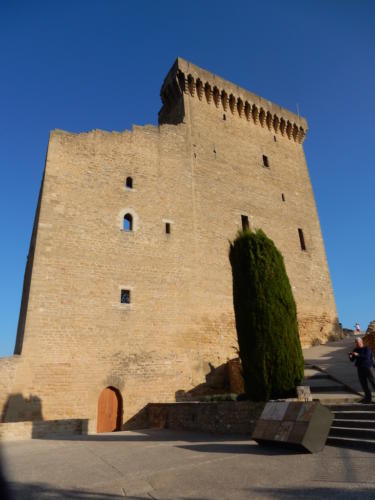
(162,464)
(314,373)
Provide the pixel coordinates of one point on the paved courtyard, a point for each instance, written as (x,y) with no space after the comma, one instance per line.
(162,464)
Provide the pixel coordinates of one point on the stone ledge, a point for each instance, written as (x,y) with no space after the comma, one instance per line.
(13,431)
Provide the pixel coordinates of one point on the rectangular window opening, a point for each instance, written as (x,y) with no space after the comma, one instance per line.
(265,161)
(245,222)
(301,239)
(125,296)
(283,196)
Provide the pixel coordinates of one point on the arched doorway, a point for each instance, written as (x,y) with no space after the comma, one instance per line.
(109,410)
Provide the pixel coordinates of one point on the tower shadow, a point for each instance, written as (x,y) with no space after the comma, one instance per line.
(21,409)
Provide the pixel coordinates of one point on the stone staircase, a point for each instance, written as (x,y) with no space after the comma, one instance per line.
(326,389)
(354,423)
(334,382)
(353,426)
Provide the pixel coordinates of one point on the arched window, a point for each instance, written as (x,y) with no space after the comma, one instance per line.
(128,222)
(129,183)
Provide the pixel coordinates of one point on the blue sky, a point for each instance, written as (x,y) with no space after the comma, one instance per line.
(86,64)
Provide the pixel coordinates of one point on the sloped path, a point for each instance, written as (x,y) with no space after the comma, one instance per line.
(326,388)
(332,358)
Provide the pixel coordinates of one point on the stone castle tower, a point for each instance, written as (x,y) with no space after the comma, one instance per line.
(128,284)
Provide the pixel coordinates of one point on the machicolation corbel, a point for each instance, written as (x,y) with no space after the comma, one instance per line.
(238,106)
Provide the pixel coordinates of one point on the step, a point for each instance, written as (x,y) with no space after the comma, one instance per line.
(311,373)
(358,433)
(354,415)
(335,398)
(316,376)
(362,424)
(356,407)
(322,382)
(363,444)
(328,388)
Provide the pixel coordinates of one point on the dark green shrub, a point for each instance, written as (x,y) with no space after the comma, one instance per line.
(266,318)
(221,397)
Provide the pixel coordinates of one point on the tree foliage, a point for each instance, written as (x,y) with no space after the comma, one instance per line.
(266,318)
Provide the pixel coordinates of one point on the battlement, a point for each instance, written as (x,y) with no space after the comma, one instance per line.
(186,79)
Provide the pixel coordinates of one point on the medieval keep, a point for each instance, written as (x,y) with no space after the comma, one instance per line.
(127,294)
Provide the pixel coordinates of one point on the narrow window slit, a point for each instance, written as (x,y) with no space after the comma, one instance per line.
(245,222)
(301,239)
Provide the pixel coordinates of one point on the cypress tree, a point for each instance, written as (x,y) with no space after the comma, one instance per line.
(266,318)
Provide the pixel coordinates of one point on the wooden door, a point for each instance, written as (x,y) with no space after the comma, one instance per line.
(108,411)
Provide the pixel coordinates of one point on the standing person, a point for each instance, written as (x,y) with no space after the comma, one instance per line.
(362,356)
(357,330)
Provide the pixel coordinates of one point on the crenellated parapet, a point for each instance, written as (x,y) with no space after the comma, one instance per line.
(186,79)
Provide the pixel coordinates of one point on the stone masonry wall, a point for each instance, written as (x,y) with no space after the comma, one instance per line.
(14,431)
(230,180)
(238,417)
(199,174)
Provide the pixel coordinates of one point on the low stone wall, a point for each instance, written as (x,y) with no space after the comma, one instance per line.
(222,417)
(237,417)
(12,431)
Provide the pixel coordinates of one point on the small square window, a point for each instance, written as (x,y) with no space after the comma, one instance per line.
(125,296)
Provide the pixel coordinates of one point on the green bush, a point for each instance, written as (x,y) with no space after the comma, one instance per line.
(221,397)
(266,318)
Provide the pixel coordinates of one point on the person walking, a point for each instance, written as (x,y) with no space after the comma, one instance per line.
(362,356)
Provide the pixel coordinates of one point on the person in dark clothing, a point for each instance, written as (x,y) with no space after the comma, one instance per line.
(362,356)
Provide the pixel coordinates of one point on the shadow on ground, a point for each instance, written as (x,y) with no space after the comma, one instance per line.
(38,491)
(151,435)
(211,443)
(45,492)
(311,493)
(332,357)
(248,449)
